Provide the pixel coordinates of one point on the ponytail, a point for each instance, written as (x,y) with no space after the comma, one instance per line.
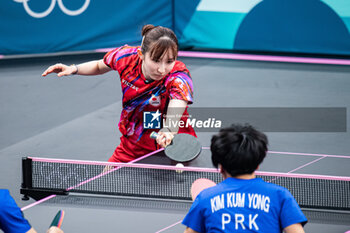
(146,28)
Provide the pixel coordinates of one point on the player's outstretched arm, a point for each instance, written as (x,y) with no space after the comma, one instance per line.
(50,230)
(295,228)
(87,68)
(31,230)
(174,113)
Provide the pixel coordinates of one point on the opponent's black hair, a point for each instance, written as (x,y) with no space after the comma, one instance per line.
(239,149)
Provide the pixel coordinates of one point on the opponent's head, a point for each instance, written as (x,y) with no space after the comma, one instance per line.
(159,50)
(238,149)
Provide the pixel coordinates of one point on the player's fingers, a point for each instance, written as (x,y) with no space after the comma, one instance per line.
(63,73)
(169,138)
(54,229)
(166,139)
(53,69)
(107,168)
(47,71)
(44,73)
(161,140)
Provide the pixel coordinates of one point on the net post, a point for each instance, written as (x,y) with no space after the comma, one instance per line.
(26,177)
(27,188)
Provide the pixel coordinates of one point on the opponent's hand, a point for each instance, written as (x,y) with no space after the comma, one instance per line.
(60,69)
(164,138)
(54,230)
(107,169)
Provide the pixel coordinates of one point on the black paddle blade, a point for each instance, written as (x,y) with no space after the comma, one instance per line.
(183,148)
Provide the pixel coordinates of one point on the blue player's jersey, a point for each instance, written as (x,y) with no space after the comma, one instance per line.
(237,205)
(11,217)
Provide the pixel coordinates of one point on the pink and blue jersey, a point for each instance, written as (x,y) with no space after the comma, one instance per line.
(140,96)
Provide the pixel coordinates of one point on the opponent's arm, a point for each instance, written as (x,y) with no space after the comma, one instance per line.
(294,228)
(189,230)
(50,230)
(31,230)
(88,68)
(174,113)
(54,230)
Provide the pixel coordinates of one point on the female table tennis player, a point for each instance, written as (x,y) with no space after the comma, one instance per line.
(151,79)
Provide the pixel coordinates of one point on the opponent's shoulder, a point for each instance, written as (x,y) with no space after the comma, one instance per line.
(179,74)
(127,49)
(123,51)
(121,56)
(4,193)
(211,192)
(179,67)
(5,199)
(274,189)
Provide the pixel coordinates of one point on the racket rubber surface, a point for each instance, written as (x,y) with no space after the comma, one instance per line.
(58,219)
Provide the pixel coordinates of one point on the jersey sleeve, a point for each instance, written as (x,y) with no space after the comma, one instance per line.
(11,216)
(111,58)
(119,58)
(290,211)
(181,87)
(195,216)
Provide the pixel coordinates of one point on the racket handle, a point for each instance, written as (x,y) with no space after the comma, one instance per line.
(154,135)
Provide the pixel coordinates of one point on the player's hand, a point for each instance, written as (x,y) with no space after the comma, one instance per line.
(54,230)
(60,69)
(107,169)
(164,138)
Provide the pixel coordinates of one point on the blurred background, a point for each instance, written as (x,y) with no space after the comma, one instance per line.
(304,27)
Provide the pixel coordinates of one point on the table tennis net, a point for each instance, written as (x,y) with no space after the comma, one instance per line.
(167,182)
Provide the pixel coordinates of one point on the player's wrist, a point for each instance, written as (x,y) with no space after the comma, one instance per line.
(75,67)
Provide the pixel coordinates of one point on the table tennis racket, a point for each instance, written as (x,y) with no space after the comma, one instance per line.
(58,219)
(183,148)
(199,185)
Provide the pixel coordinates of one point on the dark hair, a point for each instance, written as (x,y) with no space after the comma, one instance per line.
(239,149)
(157,40)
